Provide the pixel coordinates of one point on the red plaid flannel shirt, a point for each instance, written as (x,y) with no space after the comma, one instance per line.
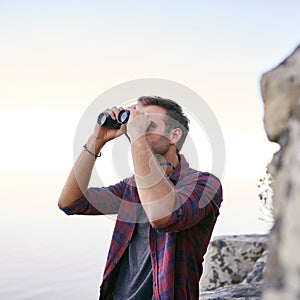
(176,248)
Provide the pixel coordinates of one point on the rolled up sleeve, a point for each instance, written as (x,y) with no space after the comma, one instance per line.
(97,201)
(195,202)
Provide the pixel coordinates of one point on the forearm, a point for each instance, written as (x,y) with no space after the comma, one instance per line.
(78,180)
(80,174)
(157,193)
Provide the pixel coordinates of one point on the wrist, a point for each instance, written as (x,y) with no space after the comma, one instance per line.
(90,152)
(136,136)
(94,145)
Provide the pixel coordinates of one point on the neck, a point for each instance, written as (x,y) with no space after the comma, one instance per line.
(168,163)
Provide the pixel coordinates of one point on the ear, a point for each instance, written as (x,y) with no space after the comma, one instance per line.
(175,135)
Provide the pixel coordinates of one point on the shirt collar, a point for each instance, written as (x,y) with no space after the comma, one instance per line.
(180,170)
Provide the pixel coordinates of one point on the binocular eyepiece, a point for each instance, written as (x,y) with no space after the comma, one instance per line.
(105,120)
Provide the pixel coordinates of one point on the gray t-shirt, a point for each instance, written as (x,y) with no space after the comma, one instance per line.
(135,275)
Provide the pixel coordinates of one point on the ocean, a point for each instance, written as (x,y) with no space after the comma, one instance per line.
(53,260)
(47,255)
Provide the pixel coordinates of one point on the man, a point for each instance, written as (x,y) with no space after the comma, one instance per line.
(166,211)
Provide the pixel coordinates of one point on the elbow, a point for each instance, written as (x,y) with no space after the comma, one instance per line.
(160,223)
(61,202)
(64,207)
(66,199)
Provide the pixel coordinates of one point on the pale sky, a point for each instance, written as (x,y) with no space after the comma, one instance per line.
(57,57)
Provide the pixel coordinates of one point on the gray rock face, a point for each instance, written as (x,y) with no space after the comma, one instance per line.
(280,90)
(256,274)
(231,260)
(281,94)
(235,265)
(239,291)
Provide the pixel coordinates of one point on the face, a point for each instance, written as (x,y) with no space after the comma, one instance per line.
(156,136)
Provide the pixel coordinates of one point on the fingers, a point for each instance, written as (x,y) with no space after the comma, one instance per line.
(136,110)
(113,112)
(137,107)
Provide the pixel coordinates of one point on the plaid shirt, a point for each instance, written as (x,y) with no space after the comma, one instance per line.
(176,248)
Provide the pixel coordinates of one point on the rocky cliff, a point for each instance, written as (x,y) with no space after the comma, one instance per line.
(254,267)
(281,95)
(234,267)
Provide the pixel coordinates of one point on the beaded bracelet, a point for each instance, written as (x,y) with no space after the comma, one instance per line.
(95,155)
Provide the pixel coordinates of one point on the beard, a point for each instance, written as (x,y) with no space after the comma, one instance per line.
(160,146)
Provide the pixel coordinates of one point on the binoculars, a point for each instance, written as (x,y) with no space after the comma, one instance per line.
(105,120)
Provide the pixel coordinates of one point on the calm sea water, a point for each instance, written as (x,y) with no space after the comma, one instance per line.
(46,255)
(52,260)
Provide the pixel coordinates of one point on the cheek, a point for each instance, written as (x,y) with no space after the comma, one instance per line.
(155,137)
(149,137)
(160,141)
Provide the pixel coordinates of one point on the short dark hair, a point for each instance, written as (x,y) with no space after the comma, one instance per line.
(177,119)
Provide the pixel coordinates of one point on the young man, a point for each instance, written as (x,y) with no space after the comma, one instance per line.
(166,211)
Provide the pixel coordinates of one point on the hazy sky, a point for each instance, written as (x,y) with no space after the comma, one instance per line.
(57,57)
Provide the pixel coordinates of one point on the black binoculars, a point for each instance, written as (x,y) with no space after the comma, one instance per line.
(105,120)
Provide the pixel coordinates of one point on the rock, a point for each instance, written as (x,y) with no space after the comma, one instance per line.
(256,274)
(281,95)
(280,90)
(238,291)
(234,259)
